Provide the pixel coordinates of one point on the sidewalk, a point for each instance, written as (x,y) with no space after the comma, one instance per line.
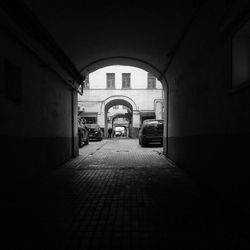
(116,196)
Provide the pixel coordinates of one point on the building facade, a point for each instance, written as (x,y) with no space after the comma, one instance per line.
(121,96)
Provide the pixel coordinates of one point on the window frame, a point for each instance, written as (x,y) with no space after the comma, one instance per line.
(126,87)
(151,76)
(113,84)
(13,81)
(86,82)
(237,27)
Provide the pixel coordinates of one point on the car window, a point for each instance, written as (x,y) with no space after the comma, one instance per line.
(153,122)
(93,126)
(152,125)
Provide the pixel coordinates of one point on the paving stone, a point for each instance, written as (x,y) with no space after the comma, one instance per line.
(115,195)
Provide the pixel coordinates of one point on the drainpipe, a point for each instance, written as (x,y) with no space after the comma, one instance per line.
(73,122)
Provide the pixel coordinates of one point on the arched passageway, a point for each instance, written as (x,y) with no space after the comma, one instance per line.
(144,65)
(195,46)
(132,115)
(127,124)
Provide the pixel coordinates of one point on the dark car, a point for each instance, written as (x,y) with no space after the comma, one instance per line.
(95,132)
(151,131)
(83,133)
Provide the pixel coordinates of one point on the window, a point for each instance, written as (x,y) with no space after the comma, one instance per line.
(125,80)
(116,107)
(13,82)
(241,56)
(151,81)
(86,82)
(91,120)
(110,80)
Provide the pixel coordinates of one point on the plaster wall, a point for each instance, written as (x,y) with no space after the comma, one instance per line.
(209,123)
(139,78)
(144,98)
(36,133)
(96,96)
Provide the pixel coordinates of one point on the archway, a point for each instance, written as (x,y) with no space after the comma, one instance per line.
(145,65)
(126,125)
(133,113)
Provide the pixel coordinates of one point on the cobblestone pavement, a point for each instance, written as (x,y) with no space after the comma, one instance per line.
(115,195)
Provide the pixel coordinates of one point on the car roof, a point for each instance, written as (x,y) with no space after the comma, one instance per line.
(153,120)
(92,125)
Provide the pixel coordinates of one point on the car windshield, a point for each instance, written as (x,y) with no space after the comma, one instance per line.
(93,126)
(153,125)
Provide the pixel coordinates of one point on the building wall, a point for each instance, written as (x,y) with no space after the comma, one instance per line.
(97,79)
(209,122)
(36,131)
(93,99)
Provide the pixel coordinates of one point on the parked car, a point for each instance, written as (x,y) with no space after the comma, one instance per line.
(83,133)
(151,131)
(118,133)
(95,132)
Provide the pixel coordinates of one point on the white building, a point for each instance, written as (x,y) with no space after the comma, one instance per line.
(121,96)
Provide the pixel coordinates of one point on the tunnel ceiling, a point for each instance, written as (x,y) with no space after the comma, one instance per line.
(90,30)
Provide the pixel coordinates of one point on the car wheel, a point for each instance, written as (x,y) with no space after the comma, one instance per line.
(143,143)
(139,141)
(79,142)
(87,142)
